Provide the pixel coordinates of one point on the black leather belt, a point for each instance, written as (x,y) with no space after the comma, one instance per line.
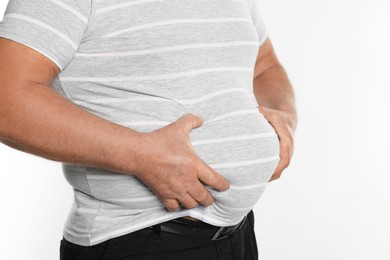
(190,228)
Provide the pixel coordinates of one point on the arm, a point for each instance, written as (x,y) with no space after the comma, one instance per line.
(36,119)
(275,95)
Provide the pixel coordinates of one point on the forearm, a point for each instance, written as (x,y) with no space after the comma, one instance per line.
(273,89)
(37,120)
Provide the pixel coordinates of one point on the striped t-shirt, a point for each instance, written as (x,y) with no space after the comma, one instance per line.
(143,64)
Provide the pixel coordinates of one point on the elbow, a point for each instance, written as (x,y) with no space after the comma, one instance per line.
(7,134)
(6,118)
(3,125)
(12,114)
(3,119)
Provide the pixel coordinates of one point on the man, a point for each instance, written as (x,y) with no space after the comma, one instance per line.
(153,120)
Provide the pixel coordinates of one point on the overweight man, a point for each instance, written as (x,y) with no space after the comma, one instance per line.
(170,117)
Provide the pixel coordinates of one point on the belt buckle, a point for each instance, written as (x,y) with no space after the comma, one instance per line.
(219,231)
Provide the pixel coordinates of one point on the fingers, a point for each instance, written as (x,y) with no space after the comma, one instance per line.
(195,193)
(285,135)
(188,202)
(278,171)
(210,177)
(171,204)
(286,152)
(201,195)
(285,159)
(284,131)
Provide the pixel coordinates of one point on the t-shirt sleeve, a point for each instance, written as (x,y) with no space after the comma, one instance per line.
(54,28)
(258,20)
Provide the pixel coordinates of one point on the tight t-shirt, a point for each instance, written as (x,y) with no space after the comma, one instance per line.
(143,64)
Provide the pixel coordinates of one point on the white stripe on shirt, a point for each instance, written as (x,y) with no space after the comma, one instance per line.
(43,25)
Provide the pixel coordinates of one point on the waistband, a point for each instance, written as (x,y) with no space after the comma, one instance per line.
(199,229)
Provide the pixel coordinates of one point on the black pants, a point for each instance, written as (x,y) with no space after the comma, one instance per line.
(147,244)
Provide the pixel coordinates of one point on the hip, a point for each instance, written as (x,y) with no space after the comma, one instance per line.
(154,243)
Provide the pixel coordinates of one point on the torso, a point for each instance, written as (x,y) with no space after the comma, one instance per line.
(145,65)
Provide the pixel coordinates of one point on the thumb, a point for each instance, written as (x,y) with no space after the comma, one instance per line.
(190,121)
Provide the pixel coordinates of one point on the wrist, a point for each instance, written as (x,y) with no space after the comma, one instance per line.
(125,151)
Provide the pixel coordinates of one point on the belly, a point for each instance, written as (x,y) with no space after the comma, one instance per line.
(235,139)
(239,143)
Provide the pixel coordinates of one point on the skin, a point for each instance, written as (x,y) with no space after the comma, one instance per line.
(275,96)
(36,119)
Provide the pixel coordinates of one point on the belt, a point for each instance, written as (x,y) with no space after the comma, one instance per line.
(190,228)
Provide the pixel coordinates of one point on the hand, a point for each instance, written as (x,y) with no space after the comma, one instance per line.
(284,125)
(168,164)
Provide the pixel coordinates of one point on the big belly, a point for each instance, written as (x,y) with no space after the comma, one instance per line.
(235,139)
(238,142)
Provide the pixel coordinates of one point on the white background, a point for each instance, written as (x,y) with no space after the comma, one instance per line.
(333,202)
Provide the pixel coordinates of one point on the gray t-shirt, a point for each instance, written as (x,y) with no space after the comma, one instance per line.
(143,64)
